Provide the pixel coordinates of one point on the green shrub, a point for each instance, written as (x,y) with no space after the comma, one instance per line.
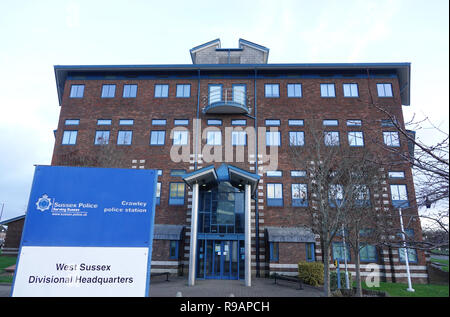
(311,273)
(333,279)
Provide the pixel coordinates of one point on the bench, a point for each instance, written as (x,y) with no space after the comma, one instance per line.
(159,274)
(289,279)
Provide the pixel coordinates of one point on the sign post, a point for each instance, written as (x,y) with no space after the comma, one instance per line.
(88,232)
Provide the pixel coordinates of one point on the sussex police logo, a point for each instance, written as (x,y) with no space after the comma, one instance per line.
(44,203)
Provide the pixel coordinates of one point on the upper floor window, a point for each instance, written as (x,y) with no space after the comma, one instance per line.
(76,91)
(241,122)
(274,194)
(299,195)
(214,138)
(183,90)
(180,137)
(69,137)
(181,122)
(355,138)
(327,90)
(72,122)
(354,123)
(176,194)
(239,94)
(272,90)
(296,138)
(126,122)
(294,90)
(272,122)
(157,137)
(295,122)
(124,137)
(339,251)
(238,138)
(129,91)
(395,174)
(214,122)
(298,173)
(331,138)
(399,195)
(215,93)
(391,138)
(384,90)
(274,173)
(158,193)
(350,90)
(159,122)
(273,138)
(161,91)
(108,91)
(104,122)
(331,123)
(101,137)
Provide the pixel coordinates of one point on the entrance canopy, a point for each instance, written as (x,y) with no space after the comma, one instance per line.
(209,177)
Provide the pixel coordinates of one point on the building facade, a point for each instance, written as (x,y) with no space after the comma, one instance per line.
(219,131)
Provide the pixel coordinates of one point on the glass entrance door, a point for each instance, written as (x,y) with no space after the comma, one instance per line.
(219,259)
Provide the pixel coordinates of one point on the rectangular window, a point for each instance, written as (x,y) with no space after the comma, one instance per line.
(391,138)
(159,122)
(310,252)
(69,137)
(327,90)
(298,173)
(183,91)
(239,94)
(124,137)
(275,195)
(161,91)
(72,122)
(296,138)
(272,122)
(338,251)
(296,122)
(368,253)
(396,174)
(412,255)
(399,196)
(238,138)
(274,173)
(331,138)
(215,93)
(350,90)
(330,123)
(294,90)
(299,195)
(158,193)
(176,195)
(239,122)
(273,138)
(108,91)
(101,137)
(180,137)
(104,122)
(157,137)
(173,251)
(384,90)
(214,122)
(272,90)
(354,123)
(176,173)
(126,122)
(388,122)
(274,251)
(355,138)
(77,91)
(335,195)
(129,91)
(181,122)
(214,138)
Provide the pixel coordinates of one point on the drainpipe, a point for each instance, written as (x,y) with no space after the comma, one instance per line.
(256,169)
(196,122)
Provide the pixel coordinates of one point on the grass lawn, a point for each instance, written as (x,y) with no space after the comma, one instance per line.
(6,261)
(445,268)
(421,290)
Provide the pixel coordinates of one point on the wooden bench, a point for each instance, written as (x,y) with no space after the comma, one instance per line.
(289,279)
(159,274)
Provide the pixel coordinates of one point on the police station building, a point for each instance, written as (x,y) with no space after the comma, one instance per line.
(230,200)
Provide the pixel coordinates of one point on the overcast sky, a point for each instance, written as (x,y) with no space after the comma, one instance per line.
(36,35)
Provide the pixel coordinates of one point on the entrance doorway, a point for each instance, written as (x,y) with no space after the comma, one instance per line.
(221,259)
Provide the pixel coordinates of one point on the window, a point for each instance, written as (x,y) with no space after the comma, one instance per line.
(159,122)
(295,122)
(157,137)
(273,138)
(104,122)
(124,137)
(69,137)
(76,91)
(239,95)
(173,251)
(238,138)
(354,123)
(129,91)
(275,195)
(388,122)
(158,193)
(331,138)
(384,90)
(335,195)
(338,251)
(310,252)
(330,123)
(294,90)
(176,195)
(160,172)
(183,91)
(298,173)
(327,90)
(101,137)
(176,173)
(214,138)
(181,122)
(355,138)
(412,255)
(274,173)
(396,174)
(362,195)
(299,195)
(391,138)
(368,253)
(161,91)
(272,90)
(126,122)
(296,138)
(241,122)
(274,251)
(180,137)
(272,122)
(215,93)
(399,196)
(72,122)
(350,90)
(214,122)
(108,91)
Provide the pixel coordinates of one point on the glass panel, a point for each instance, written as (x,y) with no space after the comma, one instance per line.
(234,259)
(239,94)
(215,94)
(226,252)
(209,257)
(241,259)
(201,259)
(217,257)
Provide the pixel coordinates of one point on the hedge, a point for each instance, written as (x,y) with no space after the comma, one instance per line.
(311,273)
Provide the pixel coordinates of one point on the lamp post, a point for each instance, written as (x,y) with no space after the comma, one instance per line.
(405,252)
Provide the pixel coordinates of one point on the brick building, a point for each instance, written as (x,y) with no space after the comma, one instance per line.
(225,210)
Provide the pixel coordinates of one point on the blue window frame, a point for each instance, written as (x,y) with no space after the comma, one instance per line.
(239,122)
(104,122)
(108,91)
(338,251)
(69,137)
(354,123)
(399,195)
(159,122)
(275,194)
(396,174)
(298,173)
(157,137)
(273,122)
(272,90)
(330,122)
(384,90)
(327,91)
(173,249)
(181,122)
(77,91)
(274,173)
(412,253)
(214,122)
(294,90)
(72,122)
(129,91)
(335,195)
(126,122)
(177,172)
(355,138)
(101,137)
(331,138)
(180,137)
(158,193)
(214,93)
(350,90)
(368,253)
(273,138)
(239,138)
(296,122)
(391,138)
(176,194)
(299,195)
(161,90)
(240,93)
(124,137)
(183,90)
(214,137)
(274,251)
(296,138)
(310,251)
